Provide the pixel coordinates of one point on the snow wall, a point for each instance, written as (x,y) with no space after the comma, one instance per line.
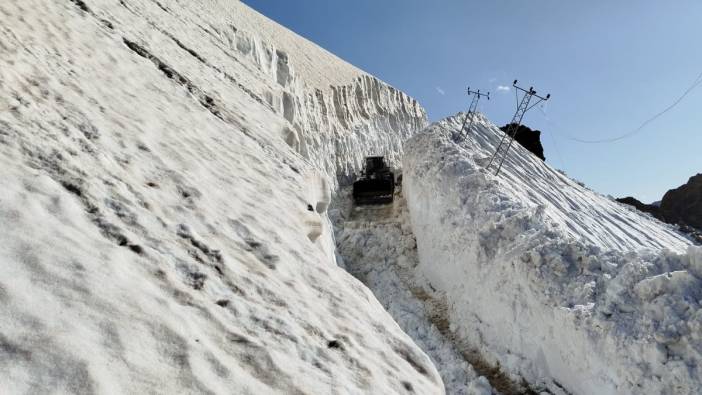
(166,168)
(549,280)
(336,114)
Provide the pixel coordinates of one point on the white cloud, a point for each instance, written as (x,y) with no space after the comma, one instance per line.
(491,80)
(503,88)
(441,91)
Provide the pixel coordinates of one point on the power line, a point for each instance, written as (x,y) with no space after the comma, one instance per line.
(694,85)
(551,135)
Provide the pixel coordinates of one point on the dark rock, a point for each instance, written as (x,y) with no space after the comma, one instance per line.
(695,234)
(683,205)
(648,208)
(222,303)
(334,344)
(137,249)
(529,139)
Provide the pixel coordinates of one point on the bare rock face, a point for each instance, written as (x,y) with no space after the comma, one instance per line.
(647,208)
(683,205)
(680,206)
(529,139)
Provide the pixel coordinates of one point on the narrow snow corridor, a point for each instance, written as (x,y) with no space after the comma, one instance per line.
(378,247)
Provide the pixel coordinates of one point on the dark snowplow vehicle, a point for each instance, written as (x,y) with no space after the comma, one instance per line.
(377,183)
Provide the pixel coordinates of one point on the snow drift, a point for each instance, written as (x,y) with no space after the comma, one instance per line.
(166,167)
(549,280)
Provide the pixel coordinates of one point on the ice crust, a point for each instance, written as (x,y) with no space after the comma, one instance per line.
(553,282)
(165,178)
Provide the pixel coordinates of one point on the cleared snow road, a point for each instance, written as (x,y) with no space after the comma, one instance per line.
(378,247)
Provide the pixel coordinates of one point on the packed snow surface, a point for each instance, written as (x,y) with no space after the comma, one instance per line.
(558,284)
(165,178)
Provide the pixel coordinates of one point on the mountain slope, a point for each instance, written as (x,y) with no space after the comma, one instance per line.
(164,224)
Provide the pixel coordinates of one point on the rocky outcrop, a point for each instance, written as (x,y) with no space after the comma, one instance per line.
(647,208)
(529,139)
(683,205)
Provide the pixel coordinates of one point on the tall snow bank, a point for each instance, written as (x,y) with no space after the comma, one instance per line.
(548,279)
(336,113)
(158,233)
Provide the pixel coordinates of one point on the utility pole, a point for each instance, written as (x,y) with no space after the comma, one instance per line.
(472,109)
(506,142)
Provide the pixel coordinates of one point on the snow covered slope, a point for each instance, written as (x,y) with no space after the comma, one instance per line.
(159,233)
(551,281)
(581,213)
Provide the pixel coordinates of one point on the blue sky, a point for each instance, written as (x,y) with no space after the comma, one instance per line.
(609,65)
